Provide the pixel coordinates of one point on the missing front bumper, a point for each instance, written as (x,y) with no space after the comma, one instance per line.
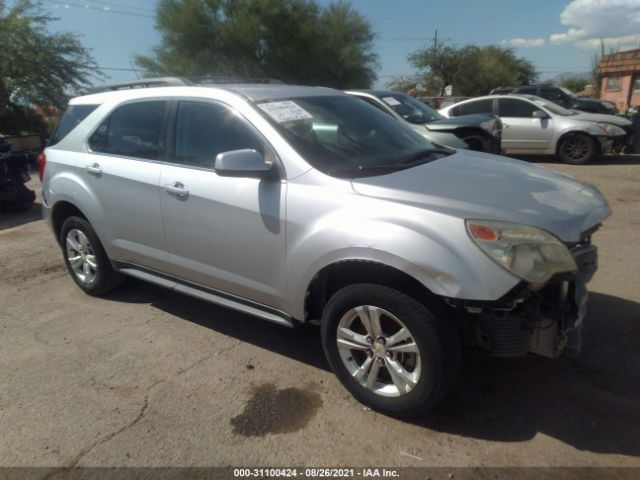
(546,321)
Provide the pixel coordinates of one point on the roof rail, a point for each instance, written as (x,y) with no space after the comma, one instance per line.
(219,79)
(141,83)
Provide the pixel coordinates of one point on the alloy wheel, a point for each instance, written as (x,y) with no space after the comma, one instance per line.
(81,256)
(379,351)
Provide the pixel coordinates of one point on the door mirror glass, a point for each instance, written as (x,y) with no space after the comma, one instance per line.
(247,163)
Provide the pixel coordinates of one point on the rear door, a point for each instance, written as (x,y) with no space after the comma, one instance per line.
(225,233)
(521,131)
(123,172)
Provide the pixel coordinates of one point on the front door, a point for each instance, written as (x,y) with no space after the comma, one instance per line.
(521,131)
(222,232)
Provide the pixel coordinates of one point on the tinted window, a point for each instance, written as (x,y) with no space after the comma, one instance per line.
(132,130)
(511,107)
(554,95)
(527,91)
(203,130)
(72,117)
(479,106)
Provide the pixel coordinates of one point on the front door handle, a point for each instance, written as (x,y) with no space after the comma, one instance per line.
(94,169)
(177,189)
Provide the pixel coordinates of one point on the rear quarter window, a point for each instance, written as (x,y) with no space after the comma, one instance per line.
(69,120)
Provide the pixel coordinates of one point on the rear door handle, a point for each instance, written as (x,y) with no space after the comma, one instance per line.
(177,189)
(94,169)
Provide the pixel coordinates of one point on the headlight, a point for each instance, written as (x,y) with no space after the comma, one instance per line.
(611,130)
(529,252)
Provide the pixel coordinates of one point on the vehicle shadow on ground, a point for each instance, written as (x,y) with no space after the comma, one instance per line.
(599,160)
(591,402)
(15,219)
(302,344)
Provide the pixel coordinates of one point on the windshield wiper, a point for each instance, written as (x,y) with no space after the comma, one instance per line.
(413,160)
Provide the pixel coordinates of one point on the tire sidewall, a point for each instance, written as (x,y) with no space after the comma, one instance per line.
(422,325)
(102,261)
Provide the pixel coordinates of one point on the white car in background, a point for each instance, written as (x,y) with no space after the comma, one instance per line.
(534,126)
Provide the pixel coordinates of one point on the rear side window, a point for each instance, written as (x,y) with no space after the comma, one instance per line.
(527,91)
(203,130)
(132,130)
(511,107)
(72,117)
(480,106)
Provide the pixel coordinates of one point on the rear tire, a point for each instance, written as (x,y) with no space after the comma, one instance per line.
(577,149)
(425,353)
(86,259)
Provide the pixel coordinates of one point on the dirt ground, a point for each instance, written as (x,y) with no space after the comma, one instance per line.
(147,377)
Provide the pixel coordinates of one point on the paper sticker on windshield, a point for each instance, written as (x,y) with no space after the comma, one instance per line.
(286,111)
(391,101)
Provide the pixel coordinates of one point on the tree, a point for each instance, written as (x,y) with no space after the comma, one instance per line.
(470,69)
(37,69)
(295,41)
(575,84)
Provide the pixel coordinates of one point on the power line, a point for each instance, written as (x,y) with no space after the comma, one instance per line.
(120,5)
(100,9)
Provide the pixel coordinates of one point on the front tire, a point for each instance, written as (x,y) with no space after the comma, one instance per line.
(577,149)
(86,259)
(389,350)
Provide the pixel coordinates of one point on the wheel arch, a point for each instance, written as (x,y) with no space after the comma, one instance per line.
(60,212)
(337,275)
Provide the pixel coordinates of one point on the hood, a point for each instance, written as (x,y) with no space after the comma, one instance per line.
(485,121)
(602,118)
(482,186)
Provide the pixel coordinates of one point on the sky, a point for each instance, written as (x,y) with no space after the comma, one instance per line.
(558,36)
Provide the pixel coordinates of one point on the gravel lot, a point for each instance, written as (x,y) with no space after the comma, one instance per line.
(146,377)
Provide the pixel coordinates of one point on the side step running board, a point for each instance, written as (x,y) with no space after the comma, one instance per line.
(211,295)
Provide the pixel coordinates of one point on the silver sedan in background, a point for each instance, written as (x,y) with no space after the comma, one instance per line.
(532,125)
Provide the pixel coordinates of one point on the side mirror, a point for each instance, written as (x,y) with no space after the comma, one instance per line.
(246,163)
(540,114)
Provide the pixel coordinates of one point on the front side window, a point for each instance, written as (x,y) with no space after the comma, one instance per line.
(132,130)
(203,130)
(346,137)
(613,83)
(636,85)
(514,108)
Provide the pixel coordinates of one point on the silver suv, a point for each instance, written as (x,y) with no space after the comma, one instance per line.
(301,204)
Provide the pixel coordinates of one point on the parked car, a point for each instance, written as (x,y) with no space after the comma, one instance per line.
(306,205)
(561,96)
(533,125)
(480,132)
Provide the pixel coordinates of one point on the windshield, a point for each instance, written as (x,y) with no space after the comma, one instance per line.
(568,92)
(409,108)
(555,108)
(346,137)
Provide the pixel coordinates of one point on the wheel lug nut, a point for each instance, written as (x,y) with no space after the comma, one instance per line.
(380,361)
(369,339)
(381,340)
(369,353)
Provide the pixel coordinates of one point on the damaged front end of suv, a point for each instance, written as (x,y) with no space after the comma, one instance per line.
(544,313)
